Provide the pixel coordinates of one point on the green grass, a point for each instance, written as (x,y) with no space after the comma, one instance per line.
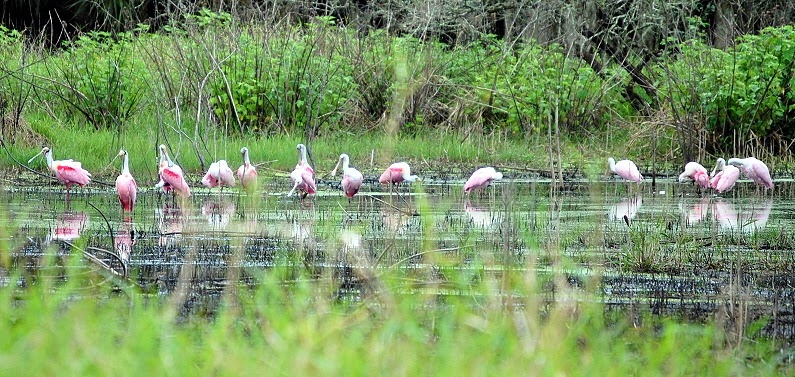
(434,151)
(299,330)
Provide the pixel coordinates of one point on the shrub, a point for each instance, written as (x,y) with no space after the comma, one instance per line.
(284,82)
(97,76)
(520,88)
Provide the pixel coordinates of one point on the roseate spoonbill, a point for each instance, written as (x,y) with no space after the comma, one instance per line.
(625,169)
(754,169)
(397,173)
(126,187)
(247,173)
(67,171)
(219,174)
(481,178)
(351,178)
(723,176)
(303,176)
(696,172)
(171,176)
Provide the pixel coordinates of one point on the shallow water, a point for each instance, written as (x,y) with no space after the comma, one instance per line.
(663,248)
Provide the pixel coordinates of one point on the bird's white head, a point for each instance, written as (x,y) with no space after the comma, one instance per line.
(164,155)
(719,164)
(44,151)
(737,161)
(301,153)
(344,160)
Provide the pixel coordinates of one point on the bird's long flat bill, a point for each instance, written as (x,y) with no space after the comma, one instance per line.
(37,155)
(334,172)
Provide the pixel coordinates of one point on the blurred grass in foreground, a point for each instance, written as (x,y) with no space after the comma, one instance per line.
(493,325)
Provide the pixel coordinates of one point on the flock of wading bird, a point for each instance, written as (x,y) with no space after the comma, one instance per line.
(219,174)
(721,179)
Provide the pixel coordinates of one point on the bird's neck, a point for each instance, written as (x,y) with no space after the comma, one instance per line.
(125,169)
(48,156)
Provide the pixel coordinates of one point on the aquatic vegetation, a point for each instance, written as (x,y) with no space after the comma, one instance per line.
(417,283)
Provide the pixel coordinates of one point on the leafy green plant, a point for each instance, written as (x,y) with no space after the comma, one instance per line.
(283,83)
(744,91)
(523,87)
(98,76)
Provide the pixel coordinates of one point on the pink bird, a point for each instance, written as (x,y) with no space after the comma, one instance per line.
(696,172)
(723,176)
(171,176)
(126,187)
(481,178)
(625,169)
(219,174)
(67,171)
(247,173)
(397,173)
(754,169)
(351,178)
(303,176)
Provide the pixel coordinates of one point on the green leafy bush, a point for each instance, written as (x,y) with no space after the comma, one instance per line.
(283,83)
(520,88)
(747,89)
(97,76)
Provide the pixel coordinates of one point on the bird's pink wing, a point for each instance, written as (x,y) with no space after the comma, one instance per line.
(628,170)
(714,181)
(351,182)
(479,179)
(394,174)
(127,190)
(227,177)
(209,180)
(173,176)
(727,179)
(308,178)
(71,171)
(247,175)
(702,178)
(762,174)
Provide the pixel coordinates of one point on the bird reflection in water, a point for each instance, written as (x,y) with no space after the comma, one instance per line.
(218,212)
(625,210)
(68,226)
(747,219)
(480,216)
(125,240)
(698,211)
(170,221)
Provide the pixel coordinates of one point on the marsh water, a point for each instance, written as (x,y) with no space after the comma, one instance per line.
(662,249)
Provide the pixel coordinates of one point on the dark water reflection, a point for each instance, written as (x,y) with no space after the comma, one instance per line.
(709,255)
